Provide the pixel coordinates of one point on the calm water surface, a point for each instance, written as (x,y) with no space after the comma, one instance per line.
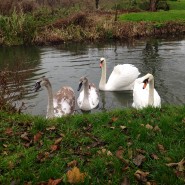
(65,64)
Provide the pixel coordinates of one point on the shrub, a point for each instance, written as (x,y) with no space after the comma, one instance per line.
(17,28)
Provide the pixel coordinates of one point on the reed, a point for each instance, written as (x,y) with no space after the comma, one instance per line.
(17,29)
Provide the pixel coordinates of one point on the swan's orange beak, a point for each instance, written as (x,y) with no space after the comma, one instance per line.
(100,65)
(145,84)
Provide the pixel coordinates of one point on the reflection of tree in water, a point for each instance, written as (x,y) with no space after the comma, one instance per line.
(17,65)
(28,57)
(151,57)
(152,63)
(74,48)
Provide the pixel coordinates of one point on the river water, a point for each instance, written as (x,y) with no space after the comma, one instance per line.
(65,64)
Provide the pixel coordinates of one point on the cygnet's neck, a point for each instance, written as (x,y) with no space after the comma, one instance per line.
(50,108)
(86,90)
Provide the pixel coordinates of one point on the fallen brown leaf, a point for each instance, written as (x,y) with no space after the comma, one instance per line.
(28,144)
(157,129)
(51,128)
(123,127)
(141,176)
(37,137)
(57,141)
(119,155)
(161,148)
(54,148)
(24,136)
(72,163)
(141,151)
(151,183)
(139,159)
(5,153)
(148,126)
(103,150)
(114,119)
(109,153)
(154,156)
(54,181)
(5,146)
(126,181)
(179,165)
(74,176)
(9,131)
(125,168)
(180,175)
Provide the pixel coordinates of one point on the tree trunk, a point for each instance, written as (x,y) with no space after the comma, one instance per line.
(153,5)
(97,4)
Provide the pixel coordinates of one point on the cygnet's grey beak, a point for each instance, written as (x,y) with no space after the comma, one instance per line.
(79,87)
(37,86)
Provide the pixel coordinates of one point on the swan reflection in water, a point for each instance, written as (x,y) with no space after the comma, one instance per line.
(118,99)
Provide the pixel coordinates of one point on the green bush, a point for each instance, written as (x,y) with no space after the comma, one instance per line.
(17,28)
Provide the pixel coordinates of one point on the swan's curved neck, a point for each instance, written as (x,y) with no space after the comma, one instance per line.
(151,93)
(50,108)
(103,77)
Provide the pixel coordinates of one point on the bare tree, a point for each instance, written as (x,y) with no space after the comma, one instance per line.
(153,5)
(97,4)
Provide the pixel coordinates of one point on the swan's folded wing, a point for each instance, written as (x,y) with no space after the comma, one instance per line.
(64,100)
(123,76)
(93,95)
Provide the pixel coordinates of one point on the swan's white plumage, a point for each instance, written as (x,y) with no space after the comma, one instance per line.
(141,96)
(121,78)
(89,97)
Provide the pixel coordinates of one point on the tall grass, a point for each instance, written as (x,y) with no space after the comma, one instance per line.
(17,29)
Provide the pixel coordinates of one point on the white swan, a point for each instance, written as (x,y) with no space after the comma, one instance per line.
(89,97)
(62,103)
(145,95)
(121,78)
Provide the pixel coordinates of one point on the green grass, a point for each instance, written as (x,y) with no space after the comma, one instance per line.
(162,16)
(177,5)
(93,141)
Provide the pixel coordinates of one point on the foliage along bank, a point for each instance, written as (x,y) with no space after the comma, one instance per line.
(43,29)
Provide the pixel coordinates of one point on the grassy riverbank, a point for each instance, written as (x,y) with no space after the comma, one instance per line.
(128,146)
(77,23)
